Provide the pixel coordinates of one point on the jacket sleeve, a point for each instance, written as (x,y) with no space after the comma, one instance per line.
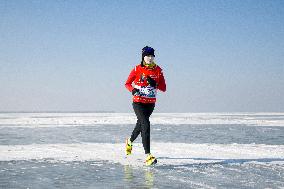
(162,83)
(130,79)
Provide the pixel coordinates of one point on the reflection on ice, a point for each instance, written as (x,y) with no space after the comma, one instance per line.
(133,176)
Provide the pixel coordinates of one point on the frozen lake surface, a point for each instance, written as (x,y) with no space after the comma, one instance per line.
(86,150)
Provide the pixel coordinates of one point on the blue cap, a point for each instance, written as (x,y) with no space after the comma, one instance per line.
(146,51)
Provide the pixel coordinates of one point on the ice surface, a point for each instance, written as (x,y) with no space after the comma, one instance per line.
(194,150)
(199,134)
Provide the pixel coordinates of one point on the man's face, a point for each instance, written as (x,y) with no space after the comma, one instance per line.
(149,59)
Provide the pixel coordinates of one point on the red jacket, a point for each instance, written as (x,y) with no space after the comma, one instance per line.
(138,75)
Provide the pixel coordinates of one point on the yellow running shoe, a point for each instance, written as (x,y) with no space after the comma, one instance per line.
(128,147)
(150,160)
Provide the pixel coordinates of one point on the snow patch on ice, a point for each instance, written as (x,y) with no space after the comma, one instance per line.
(91,119)
(179,154)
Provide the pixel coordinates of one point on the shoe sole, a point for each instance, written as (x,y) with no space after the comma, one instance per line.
(153,163)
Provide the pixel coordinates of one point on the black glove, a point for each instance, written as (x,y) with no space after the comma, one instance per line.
(151,82)
(134,91)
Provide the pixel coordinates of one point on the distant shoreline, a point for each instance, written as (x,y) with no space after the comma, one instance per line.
(57,112)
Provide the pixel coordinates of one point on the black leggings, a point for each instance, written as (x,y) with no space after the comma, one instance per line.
(143,112)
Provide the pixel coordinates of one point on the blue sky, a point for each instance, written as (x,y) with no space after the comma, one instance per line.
(217,56)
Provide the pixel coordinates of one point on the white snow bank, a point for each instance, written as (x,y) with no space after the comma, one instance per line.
(167,153)
(90,119)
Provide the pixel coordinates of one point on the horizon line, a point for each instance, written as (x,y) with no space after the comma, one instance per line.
(105,111)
